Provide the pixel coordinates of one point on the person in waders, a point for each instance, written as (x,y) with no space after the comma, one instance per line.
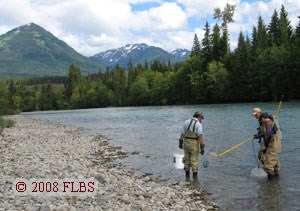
(190,138)
(257,114)
(272,142)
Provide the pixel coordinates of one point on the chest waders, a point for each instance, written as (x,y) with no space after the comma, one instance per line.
(273,151)
(191,150)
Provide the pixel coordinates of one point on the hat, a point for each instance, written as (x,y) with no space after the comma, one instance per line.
(255,111)
(198,114)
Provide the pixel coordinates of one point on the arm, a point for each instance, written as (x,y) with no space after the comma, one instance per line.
(181,140)
(268,133)
(202,145)
(201,140)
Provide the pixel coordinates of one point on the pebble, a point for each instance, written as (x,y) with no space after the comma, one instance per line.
(40,149)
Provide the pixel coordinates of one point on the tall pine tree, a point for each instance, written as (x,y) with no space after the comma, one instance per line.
(216,40)
(273,30)
(207,44)
(196,49)
(285,28)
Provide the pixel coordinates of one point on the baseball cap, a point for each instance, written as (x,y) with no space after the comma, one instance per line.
(198,114)
(255,111)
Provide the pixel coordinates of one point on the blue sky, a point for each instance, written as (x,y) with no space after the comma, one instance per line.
(93,26)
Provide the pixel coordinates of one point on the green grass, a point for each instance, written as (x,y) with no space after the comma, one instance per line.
(6,123)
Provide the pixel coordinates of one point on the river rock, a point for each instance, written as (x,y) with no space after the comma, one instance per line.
(40,149)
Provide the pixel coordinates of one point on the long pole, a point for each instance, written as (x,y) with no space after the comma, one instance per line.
(234,147)
(277,110)
(251,138)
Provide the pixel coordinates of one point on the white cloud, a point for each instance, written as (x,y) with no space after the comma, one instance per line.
(92,26)
(169,16)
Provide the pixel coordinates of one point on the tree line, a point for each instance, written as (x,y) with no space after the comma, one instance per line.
(261,68)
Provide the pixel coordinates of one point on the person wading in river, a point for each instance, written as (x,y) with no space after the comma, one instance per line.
(190,138)
(272,142)
(257,114)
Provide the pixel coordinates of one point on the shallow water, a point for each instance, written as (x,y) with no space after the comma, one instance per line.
(154,133)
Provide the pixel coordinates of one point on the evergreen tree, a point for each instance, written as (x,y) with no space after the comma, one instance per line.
(254,40)
(107,78)
(216,40)
(73,79)
(196,49)
(240,76)
(294,67)
(262,36)
(119,85)
(131,74)
(285,27)
(207,44)
(273,30)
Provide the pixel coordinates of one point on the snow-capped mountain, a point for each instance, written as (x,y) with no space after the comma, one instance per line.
(180,53)
(138,54)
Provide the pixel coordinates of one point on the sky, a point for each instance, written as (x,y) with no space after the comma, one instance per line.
(94,26)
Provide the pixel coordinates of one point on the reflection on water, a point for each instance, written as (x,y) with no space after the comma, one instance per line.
(154,133)
(269,196)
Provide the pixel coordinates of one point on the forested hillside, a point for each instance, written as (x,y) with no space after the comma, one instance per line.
(264,66)
(31,51)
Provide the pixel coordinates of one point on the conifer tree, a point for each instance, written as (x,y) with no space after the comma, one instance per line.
(207,44)
(196,49)
(262,36)
(273,30)
(216,39)
(131,73)
(284,27)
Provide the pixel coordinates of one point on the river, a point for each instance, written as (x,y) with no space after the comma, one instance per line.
(154,133)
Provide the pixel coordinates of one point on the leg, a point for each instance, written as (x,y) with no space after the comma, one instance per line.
(195,158)
(271,162)
(277,168)
(187,158)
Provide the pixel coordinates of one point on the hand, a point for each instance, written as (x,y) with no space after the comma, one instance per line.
(202,149)
(180,143)
(255,136)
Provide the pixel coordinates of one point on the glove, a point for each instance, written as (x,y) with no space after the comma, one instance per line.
(202,149)
(256,136)
(259,140)
(180,143)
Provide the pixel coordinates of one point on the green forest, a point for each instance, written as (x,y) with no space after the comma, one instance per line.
(264,66)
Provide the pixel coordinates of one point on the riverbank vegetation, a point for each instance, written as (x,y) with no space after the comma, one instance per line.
(264,66)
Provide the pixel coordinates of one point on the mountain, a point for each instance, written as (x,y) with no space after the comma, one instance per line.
(30,50)
(138,54)
(180,53)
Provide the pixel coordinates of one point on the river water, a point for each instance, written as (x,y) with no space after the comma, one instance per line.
(154,133)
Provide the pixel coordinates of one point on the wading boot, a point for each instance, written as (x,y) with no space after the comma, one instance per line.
(195,175)
(187,174)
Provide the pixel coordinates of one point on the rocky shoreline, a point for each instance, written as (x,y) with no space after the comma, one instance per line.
(40,149)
